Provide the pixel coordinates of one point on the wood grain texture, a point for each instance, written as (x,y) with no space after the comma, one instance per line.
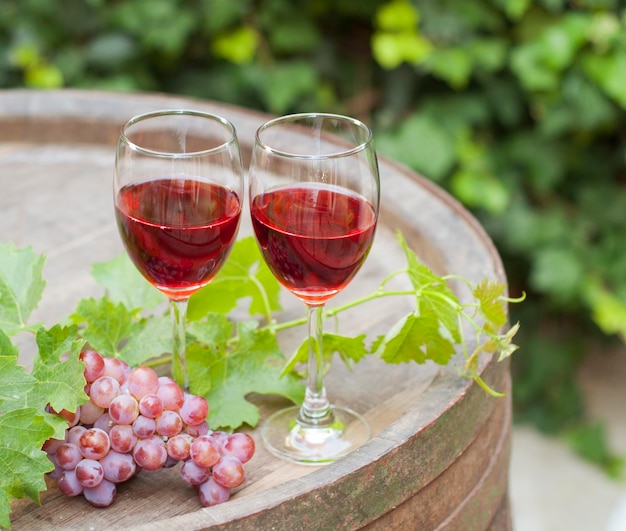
(438,458)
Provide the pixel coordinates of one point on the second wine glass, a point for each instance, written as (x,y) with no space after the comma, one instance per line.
(178,188)
(314,196)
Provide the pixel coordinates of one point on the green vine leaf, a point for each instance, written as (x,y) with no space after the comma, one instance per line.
(416,338)
(434,296)
(22,434)
(15,383)
(244,275)
(349,349)
(226,374)
(124,283)
(492,305)
(56,379)
(104,323)
(21,286)
(58,371)
(149,338)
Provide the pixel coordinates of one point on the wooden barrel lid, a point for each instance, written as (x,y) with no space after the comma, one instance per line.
(438,458)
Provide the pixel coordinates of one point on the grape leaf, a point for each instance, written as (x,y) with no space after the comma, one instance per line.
(58,369)
(245,274)
(15,382)
(349,349)
(215,329)
(125,284)
(492,305)
(5,508)
(105,323)
(22,434)
(419,274)
(441,302)
(505,344)
(433,294)
(150,338)
(418,338)
(21,286)
(225,375)
(6,347)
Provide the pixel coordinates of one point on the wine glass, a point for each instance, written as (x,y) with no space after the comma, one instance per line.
(314,195)
(178,188)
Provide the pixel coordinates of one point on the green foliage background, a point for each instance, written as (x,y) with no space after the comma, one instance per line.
(515,106)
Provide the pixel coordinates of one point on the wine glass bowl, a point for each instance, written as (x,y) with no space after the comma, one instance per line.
(314,195)
(178,188)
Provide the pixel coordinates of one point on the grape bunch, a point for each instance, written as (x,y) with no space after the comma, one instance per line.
(135,420)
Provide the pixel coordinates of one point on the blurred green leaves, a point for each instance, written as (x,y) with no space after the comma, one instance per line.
(397,38)
(525,134)
(422,143)
(237,46)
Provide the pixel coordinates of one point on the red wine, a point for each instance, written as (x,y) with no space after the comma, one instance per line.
(314,238)
(178,231)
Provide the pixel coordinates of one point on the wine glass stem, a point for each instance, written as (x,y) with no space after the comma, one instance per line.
(315,409)
(178,309)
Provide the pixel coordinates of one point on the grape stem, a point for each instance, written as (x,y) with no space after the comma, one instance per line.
(498,342)
(463,311)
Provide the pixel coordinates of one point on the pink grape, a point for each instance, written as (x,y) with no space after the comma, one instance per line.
(212,493)
(90,412)
(150,453)
(101,496)
(170,462)
(68,456)
(94,365)
(144,427)
(150,406)
(178,446)
(123,438)
(171,394)
(52,445)
(116,368)
(124,409)
(169,424)
(89,473)
(57,471)
(73,434)
(194,410)
(229,472)
(221,437)
(142,381)
(94,443)
(241,445)
(72,417)
(194,474)
(69,484)
(205,451)
(118,467)
(105,423)
(103,390)
(198,429)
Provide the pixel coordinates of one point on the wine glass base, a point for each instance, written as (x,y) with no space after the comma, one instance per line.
(286,437)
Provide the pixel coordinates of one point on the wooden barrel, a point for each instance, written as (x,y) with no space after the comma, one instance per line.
(439,455)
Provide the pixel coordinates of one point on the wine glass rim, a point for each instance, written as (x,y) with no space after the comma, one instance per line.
(226,144)
(294,118)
